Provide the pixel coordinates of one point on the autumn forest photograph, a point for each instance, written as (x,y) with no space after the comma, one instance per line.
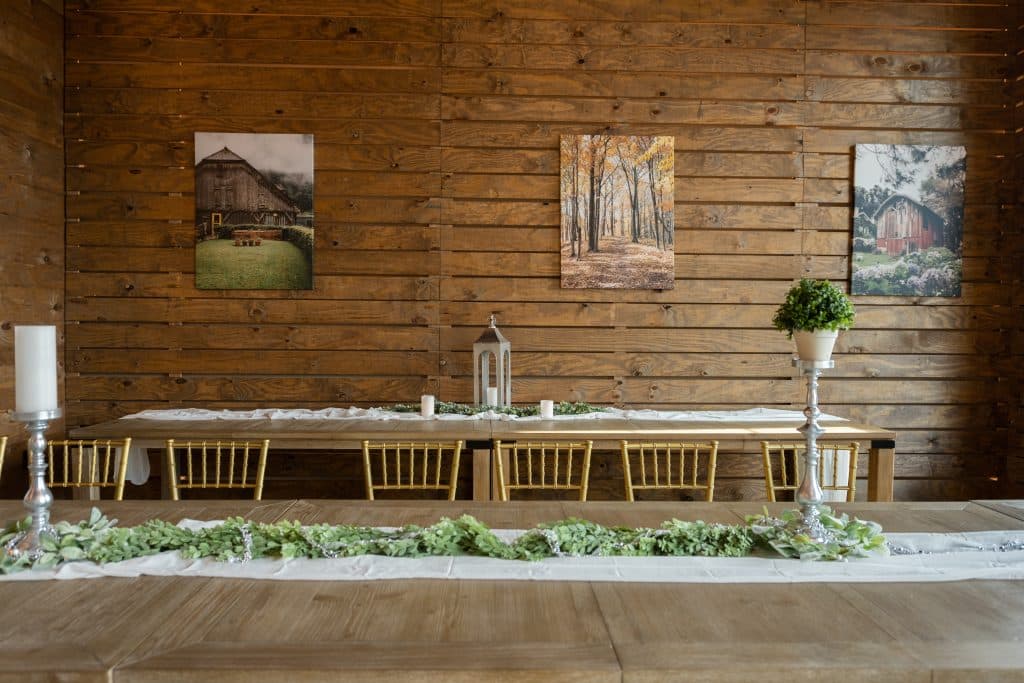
(617,212)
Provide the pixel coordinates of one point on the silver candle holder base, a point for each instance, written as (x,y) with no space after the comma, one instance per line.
(809,496)
(39,498)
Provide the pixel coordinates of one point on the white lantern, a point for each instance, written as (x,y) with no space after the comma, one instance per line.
(492,350)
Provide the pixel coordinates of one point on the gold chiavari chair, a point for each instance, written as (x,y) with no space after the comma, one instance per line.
(784,468)
(92,464)
(411,466)
(216,465)
(543,465)
(669,465)
(3,450)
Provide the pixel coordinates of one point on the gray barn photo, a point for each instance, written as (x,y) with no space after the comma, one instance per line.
(254,211)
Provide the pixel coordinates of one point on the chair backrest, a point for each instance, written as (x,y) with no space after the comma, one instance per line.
(88,464)
(216,465)
(411,466)
(3,449)
(543,465)
(837,469)
(663,465)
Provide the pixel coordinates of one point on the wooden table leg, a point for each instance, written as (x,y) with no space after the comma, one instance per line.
(881,470)
(481,474)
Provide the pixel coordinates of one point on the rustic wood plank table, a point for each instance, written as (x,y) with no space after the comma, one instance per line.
(190,629)
(733,435)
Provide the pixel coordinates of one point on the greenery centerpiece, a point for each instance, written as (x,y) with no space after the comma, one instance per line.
(813,313)
(450,408)
(99,540)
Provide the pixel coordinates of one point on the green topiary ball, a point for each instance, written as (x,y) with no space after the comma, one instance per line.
(814,305)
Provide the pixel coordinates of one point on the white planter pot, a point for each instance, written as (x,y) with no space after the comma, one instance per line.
(816,345)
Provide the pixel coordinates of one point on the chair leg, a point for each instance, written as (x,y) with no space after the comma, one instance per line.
(366,470)
(627,476)
(712,465)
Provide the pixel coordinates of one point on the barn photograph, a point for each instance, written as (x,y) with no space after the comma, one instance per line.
(908,220)
(254,211)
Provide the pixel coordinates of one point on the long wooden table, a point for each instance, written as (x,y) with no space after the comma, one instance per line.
(732,435)
(191,630)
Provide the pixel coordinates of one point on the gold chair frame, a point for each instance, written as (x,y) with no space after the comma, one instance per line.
(548,466)
(3,450)
(656,471)
(87,464)
(203,450)
(422,461)
(789,473)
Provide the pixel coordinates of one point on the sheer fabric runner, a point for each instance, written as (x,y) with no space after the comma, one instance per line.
(751,415)
(934,557)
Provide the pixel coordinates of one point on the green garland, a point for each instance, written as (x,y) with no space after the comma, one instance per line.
(99,540)
(446,408)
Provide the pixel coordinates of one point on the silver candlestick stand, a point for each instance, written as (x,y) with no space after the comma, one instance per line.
(38,499)
(809,495)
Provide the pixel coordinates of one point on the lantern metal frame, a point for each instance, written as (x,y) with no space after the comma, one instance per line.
(492,344)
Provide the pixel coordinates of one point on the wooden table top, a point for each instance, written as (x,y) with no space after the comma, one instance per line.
(344,433)
(291,433)
(187,629)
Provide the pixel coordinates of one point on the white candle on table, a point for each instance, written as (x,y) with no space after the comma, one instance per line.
(492,396)
(426,405)
(35,368)
(547,408)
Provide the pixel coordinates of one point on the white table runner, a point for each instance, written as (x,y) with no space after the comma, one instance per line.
(751,415)
(943,557)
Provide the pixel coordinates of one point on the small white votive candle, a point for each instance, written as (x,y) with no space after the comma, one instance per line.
(492,396)
(426,405)
(547,408)
(35,368)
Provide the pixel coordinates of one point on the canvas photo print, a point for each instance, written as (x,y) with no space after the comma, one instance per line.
(617,220)
(254,211)
(908,220)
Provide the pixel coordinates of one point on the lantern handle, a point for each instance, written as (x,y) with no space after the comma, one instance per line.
(493,321)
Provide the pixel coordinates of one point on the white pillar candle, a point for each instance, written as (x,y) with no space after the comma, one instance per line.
(426,405)
(492,396)
(35,368)
(547,408)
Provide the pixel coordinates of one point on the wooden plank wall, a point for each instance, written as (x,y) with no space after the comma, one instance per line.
(437,125)
(1015,454)
(31,192)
